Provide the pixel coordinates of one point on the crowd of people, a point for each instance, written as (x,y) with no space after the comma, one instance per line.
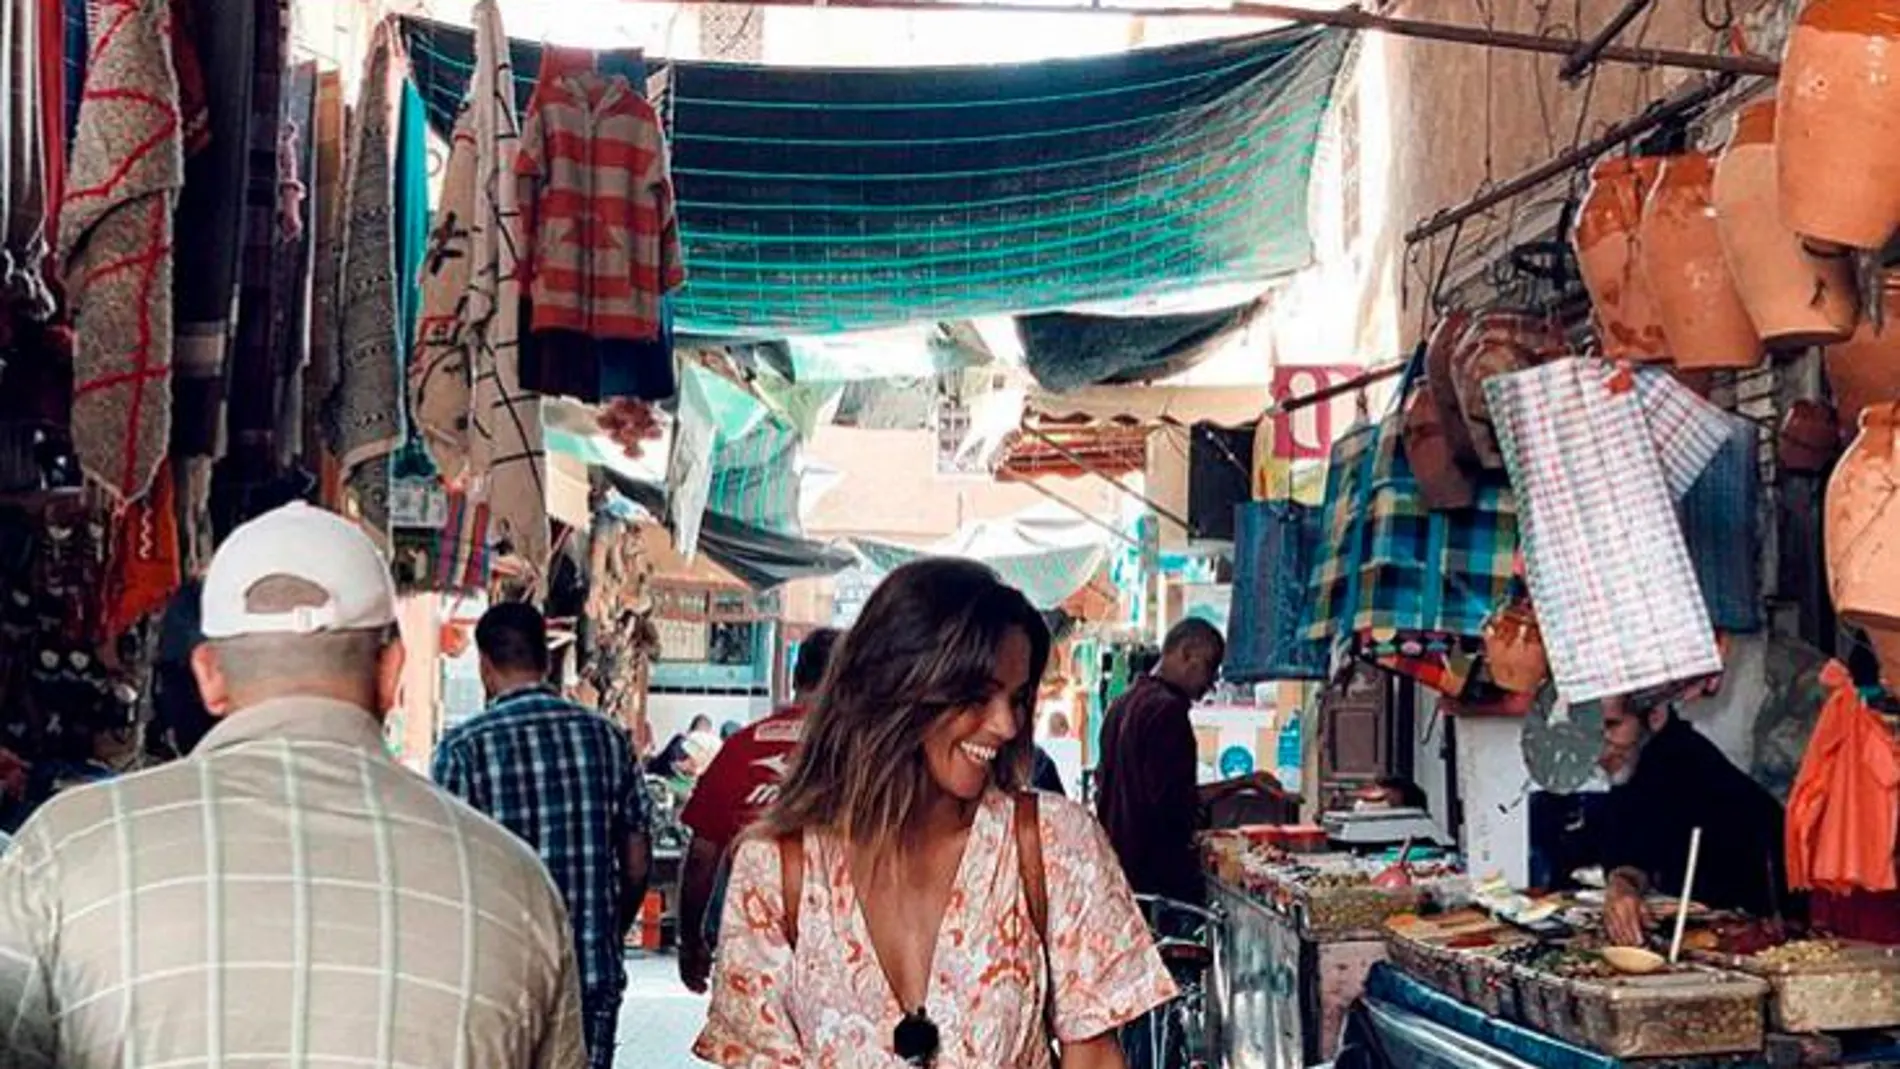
(872,878)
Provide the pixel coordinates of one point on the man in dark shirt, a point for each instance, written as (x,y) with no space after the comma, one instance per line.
(1667,780)
(1148,800)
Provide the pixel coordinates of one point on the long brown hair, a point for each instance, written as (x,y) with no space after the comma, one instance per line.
(924,646)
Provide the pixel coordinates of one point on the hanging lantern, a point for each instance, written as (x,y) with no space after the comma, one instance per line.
(1605,238)
(1863,535)
(1703,319)
(1795,297)
(1838,136)
(1865,369)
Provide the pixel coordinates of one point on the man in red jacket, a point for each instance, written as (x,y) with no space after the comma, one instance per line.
(742,781)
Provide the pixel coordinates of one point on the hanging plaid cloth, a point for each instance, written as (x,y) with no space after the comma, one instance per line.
(1330,588)
(1274,545)
(1721,526)
(1599,456)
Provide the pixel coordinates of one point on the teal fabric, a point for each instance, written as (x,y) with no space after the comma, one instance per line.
(1046,578)
(410,201)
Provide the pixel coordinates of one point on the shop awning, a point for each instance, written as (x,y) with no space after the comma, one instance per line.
(1045,553)
(823,200)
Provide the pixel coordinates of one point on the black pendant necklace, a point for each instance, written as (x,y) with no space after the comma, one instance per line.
(916,1040)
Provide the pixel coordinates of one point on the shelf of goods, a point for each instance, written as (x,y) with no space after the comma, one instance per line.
(1300,932)
(1572,994)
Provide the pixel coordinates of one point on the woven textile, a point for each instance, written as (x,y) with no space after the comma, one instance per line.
(1336,561)
(1274,545)
(23,164)
(1721,526)
(253,401)
(323,210)
(1597,455)
(115,233)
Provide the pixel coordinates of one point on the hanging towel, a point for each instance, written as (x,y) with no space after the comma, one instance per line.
(116,247)
(1599,456)
(1722,527)
(1844,810)
(366,410)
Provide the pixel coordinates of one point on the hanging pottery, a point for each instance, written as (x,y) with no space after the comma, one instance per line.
(1865,369)
(1514,648)
(1810,438)
(1605,238)
(1702,314)
(1439,351)
(1497,343)
(1838,136)
(1443,483)
(1794,297)
(1863,534)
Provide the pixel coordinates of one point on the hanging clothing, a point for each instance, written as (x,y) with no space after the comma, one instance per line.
(324,211)
(194,105)
(295,262)
(116,247)
(52,117)
(23,247)
(366,411)
(597,210)
(147,557)
(1844,811)
(481,426)
(1599,456)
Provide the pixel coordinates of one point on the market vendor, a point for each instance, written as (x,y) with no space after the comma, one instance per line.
(1667,780)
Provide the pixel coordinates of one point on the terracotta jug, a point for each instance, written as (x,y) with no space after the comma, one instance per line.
(1497,343)
(1514,649)
(1795,297)
(1810,437)
(1605,238)
(1439,351)
(1862,528)
(1865,369)
(1443,483)
(1838,137)
(1702,314)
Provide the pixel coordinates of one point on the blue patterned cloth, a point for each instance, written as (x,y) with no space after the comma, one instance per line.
(1274,546)
(1719,523)
(562,778)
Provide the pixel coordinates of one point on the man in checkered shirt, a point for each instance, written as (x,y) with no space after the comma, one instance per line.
(288,895)
(564,778)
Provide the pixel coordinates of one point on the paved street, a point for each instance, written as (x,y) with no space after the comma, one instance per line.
(659,1018)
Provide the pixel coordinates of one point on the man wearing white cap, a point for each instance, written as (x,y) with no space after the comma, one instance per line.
(288,895)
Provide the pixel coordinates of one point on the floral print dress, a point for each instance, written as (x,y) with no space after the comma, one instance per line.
(828,1003)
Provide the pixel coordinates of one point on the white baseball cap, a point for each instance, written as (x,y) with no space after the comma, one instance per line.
(298,541)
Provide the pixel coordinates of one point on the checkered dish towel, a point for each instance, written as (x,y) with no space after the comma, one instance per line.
(1599,455)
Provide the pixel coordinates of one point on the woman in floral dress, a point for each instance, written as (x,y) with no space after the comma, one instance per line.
(914,931)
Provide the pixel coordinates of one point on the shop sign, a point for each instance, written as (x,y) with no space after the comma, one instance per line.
(1307,433)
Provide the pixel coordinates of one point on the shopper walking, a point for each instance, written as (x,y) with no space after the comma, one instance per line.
(904,901)
(739,784)
(563,778)
(288,895)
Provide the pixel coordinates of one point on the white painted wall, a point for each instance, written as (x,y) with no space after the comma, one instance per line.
(1494,784)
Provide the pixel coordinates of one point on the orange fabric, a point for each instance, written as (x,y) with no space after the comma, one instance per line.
(146,556)
(1845,807)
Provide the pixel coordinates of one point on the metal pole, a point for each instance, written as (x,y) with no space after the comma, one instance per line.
(1345,19)
(1327,393)
(1065,453)
(1659,113)
(1586,54)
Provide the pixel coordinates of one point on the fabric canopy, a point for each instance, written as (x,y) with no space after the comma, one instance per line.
(1046,556)
(822,200)
(759,558)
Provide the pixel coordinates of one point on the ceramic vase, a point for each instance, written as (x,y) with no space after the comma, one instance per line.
(1809,439)
(1862,527)
(1837,137)
(1443,483)
(1795,297)
(1440,349)
(1865,369)
(1605,239)
(1497,343)
(1704,322)
(1514,649)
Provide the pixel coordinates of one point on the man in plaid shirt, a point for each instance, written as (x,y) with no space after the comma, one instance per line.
(564,779)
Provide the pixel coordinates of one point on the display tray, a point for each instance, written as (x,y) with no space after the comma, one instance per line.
(1427,962)
(1336,914)
(1676,1015)
(1857,990)
(1491,984)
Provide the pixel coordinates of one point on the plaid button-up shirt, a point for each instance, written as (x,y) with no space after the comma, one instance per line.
(289,896)
(564,779)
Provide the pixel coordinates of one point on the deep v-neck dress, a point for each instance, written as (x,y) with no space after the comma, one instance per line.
(829,1004)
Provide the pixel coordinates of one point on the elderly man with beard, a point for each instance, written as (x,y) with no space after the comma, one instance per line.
(1667,780)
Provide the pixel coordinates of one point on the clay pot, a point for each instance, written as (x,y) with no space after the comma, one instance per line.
(1795,298)
(1862,529)
(1703,318)
(1443,483)
(1497,343)
(1865,369)
(1810,437)
(1439,350)
(1514,649)
(1605,238)
(1838,138)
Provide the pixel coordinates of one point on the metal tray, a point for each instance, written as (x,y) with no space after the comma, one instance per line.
(1490,986)
(1429,963)
(1858,990)
(1676,1015)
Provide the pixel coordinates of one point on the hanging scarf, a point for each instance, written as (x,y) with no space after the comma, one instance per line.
(23,157)
(365,412)
(116,247)
(325,212)
(479,424)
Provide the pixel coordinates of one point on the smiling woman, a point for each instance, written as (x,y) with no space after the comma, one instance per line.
(906,901)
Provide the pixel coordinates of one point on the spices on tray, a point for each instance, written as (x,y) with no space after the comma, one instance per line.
(1800,952)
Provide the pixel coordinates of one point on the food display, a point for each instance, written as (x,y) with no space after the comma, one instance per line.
(1330,897)
(1822,985)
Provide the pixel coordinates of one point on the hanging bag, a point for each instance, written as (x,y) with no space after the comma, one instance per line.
(1275,542)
